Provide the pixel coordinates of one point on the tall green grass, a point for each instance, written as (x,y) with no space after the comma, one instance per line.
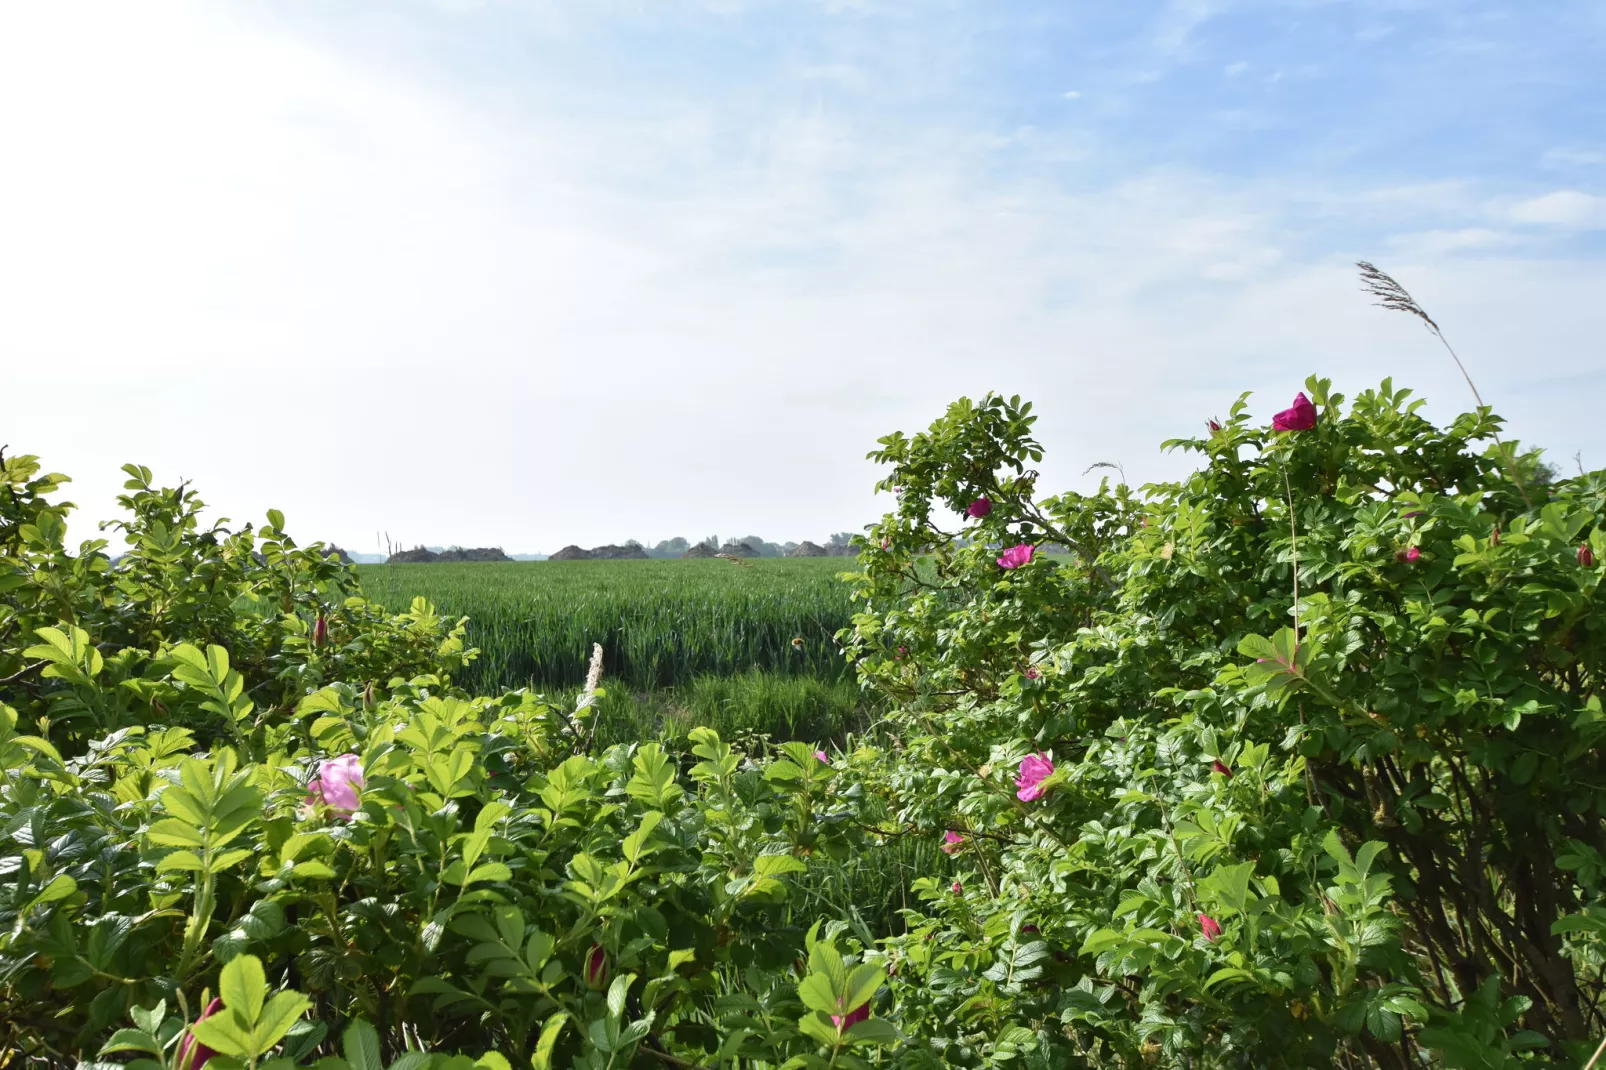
(660,623)
(741,708)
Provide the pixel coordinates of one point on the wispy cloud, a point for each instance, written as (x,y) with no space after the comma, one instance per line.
(469,259)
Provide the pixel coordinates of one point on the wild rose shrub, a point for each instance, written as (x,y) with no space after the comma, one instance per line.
(1366,830)
(1181,818)
(223,836)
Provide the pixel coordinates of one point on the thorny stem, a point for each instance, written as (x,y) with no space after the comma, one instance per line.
(1293,535)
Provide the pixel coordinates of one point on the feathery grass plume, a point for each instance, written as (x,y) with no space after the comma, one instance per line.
(1391,295)
(593,678)
(1106,464)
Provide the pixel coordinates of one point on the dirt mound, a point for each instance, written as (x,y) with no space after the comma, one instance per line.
(416,556)
(809,549)
(571,553)
(629,552)
(702,549)
(738,549)
(477,553)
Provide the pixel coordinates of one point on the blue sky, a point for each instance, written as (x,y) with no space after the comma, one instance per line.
(537,273)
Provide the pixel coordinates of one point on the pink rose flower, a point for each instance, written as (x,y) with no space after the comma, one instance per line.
(1213,426)
(596,967)
(1032,673)
(189,1046)
(951,842)
(822,757)
(847,1021)
(957,888)
(1301,416)
(979,508)
(1209,927)
(320,631)
(1586,556)
(338,783)
(1016,556)
(1034,769)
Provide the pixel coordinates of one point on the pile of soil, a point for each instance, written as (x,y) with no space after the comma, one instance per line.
(738,549)
(700,550)
(809,549)
(619,553)
(418,555)
(571,553)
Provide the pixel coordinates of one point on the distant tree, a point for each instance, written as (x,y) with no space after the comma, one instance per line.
(841,543)
(764,547)
(671,547)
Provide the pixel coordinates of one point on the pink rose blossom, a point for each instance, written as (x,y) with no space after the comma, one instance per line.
(1586,556)
(1209,927)
(1213,425)
(822,757)
(951,842)
(338,783)
(1016,556)
(979,508)
(596,967)
(1301,416)
(847,1021)
(957,888)
(1032,673)
(189,1045)
(1034,769)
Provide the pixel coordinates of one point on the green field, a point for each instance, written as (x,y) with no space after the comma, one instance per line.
(660,623)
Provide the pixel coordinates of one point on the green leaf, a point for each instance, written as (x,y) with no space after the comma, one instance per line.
(817,994)
(541,1059)
(776,865)
(222,1034)
(278,1016)
(132,1040)
(243,987)
(873,1031)
(360,1043)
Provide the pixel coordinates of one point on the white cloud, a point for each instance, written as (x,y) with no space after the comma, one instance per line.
(1233,70)
(238,254)
(1564,208)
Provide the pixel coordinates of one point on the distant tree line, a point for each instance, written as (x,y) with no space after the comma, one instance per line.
(840,544)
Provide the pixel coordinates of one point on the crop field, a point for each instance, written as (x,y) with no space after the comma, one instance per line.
(661,623)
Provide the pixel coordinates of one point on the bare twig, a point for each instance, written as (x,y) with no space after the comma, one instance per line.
(1595,1058)
(1391,295)
(24,671)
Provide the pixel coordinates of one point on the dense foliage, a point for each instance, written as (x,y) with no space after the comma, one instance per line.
(1296,762)
(1340,815)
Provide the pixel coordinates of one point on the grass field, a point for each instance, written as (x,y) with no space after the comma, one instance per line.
(661,623)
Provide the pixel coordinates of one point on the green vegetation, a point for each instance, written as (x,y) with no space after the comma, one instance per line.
(660,623)
(1295,762)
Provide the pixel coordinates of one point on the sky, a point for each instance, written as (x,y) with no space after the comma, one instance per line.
(540,272)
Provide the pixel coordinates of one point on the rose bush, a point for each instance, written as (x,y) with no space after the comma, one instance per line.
(1295,762)
(1220,812)
(226,836)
